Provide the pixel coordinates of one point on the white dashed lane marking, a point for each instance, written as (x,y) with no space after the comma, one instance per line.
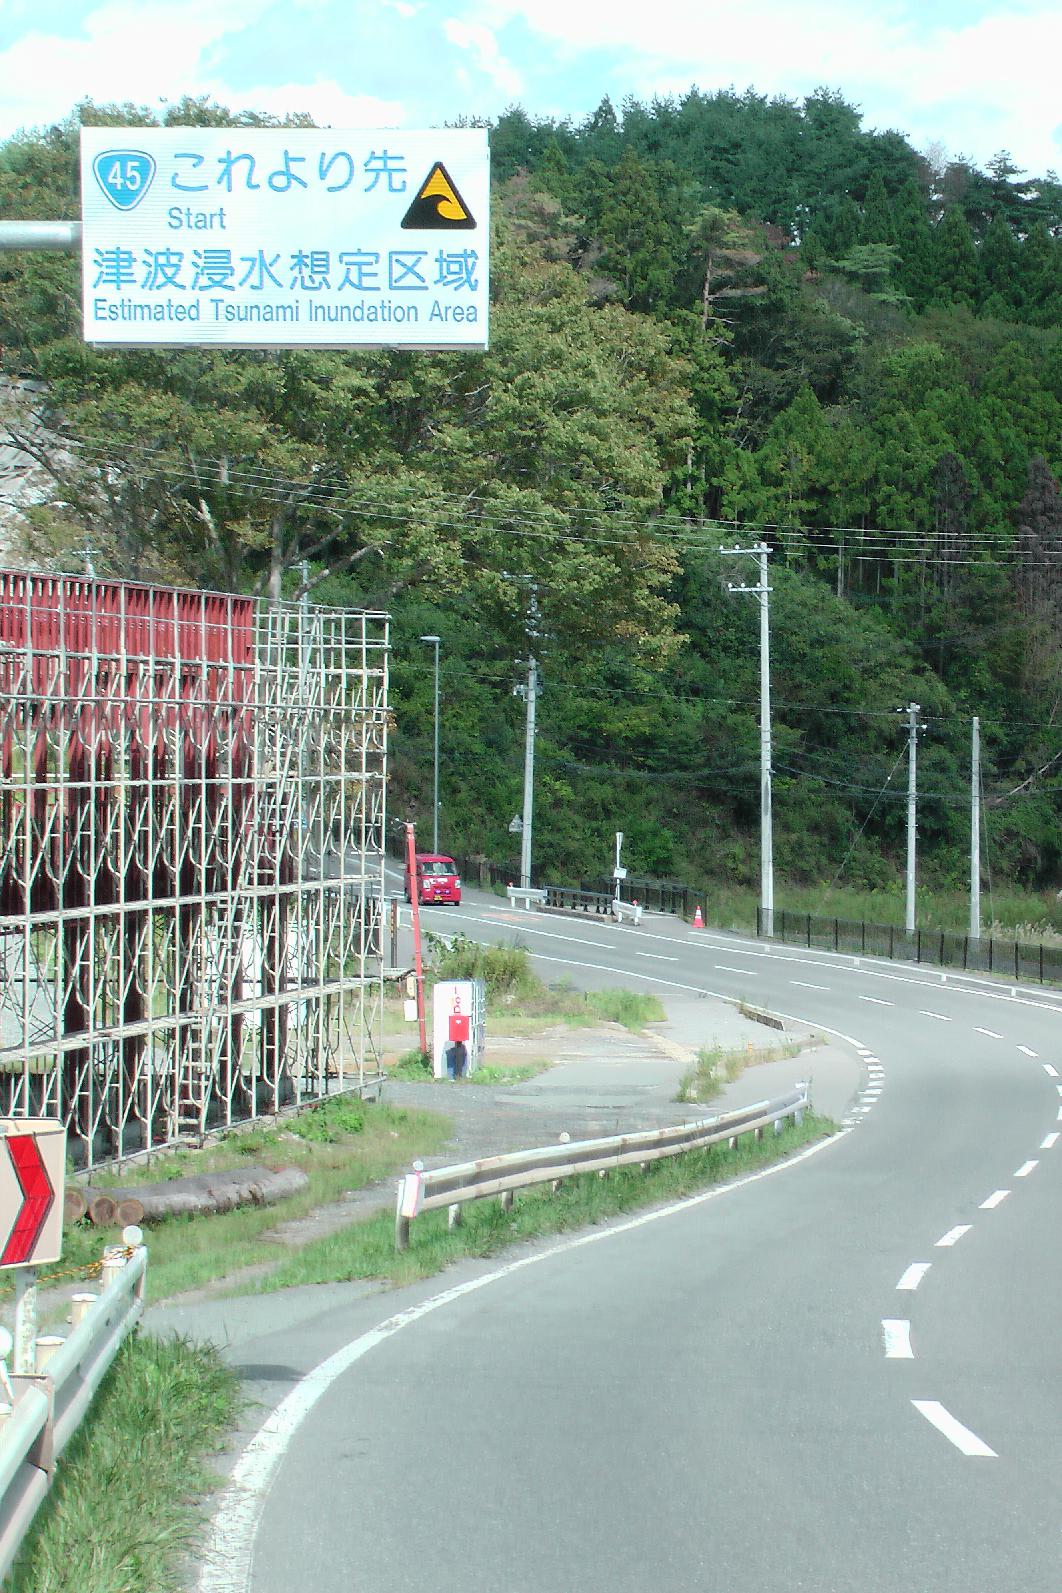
(876,1001)
(914,1275)
(1025,1169)
(1051,1072)
(940,1017)
(953,1236)
(991,1033)
(995,1200)
(896,1336)
(953,1430)
(724,967)
(1024,1049)
(1048,1141)
(803,983)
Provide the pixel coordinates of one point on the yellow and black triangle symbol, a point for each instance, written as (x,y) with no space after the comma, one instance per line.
(438,206)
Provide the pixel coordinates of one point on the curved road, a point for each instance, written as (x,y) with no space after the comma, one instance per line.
(845,1375)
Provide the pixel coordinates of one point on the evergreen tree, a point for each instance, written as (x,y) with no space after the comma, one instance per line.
(878,224)
(914,240)
(957,267)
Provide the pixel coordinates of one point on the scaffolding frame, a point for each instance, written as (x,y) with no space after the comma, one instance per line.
(192,823)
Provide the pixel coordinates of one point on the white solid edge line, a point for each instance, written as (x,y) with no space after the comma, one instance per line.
(1025,1169)
(228,1554)
(914,1275)
(994,1199)
(896,1336)
(717,940)
(952,1236)
(952,1429)
(1048,1141)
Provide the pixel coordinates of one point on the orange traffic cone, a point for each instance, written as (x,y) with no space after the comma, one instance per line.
(698,921)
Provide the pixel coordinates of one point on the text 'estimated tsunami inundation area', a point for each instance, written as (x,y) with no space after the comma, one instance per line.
(285,237)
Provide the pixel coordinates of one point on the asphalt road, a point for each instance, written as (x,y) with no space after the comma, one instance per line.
(841,1376)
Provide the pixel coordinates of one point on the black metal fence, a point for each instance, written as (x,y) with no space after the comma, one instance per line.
(940,948)
(656,895)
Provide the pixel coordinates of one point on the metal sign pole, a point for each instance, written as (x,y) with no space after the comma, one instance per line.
(25,1320)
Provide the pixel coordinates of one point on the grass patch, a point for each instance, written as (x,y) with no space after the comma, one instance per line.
(337,1157)
(716,1066)
(513,987)
(367,1249)
(514,1075)
(1030,916)
(121,1516)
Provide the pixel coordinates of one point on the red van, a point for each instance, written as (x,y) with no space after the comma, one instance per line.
(437,879)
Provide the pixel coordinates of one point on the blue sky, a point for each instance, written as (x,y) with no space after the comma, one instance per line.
(964,78)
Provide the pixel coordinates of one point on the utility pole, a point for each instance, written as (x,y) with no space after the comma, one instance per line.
(434,640)
(975,830)
(763,591)
(912,711)
(530,693)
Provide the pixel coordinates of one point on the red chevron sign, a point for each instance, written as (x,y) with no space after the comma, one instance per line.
(31,1176)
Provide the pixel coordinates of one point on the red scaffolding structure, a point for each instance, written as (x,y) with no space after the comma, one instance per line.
(191,825)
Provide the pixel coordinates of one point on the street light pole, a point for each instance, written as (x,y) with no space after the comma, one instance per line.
(435,782)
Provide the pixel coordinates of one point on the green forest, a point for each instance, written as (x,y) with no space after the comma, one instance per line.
(715,319)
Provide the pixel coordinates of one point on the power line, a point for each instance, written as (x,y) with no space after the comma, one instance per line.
(873,544)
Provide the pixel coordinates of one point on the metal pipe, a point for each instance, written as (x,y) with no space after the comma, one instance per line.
(63,236)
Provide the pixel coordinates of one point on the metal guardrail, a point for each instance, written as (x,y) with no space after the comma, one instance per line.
(430,1190)
(572,900)
(525,895)
(47,1407)
(940,948)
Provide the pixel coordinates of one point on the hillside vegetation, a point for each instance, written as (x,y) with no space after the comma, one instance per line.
(714,319)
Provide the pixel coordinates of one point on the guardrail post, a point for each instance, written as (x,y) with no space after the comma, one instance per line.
(453,1217)
(80,1306)
(44,1349)
(401,1222)
(113,1264)
(505,1200)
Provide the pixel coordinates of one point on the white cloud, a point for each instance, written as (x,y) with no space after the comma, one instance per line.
(324,100)
(979,85)
(124,51)
(157,53)
(482,44)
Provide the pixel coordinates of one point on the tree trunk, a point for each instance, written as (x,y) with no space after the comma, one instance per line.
(195,1196)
